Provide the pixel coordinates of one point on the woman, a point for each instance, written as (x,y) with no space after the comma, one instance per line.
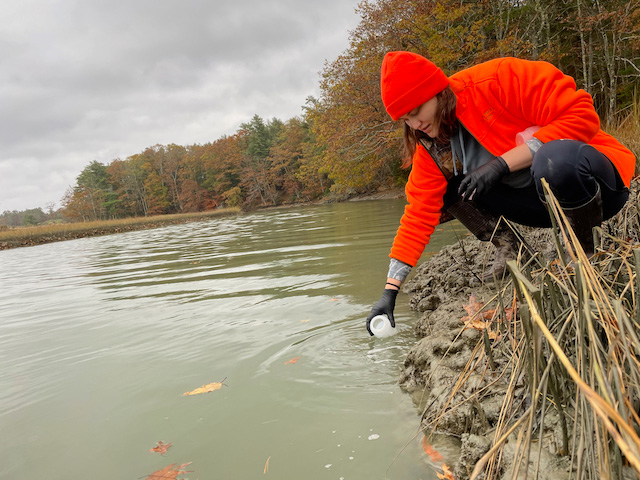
(473,154)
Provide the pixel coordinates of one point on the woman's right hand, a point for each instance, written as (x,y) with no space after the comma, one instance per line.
(384,306)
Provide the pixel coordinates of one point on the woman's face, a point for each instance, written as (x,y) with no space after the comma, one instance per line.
(423,118)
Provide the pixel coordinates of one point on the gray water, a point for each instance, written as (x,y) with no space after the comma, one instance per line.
(100,337)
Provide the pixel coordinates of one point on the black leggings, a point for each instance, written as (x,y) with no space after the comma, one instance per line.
(573,170)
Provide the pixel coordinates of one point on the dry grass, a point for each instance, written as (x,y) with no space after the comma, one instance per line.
(25,236)
(628,131)
(579,353)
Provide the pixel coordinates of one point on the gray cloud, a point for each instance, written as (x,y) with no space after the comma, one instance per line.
(99,80)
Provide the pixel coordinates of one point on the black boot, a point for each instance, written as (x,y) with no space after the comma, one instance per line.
(582,220)
(488,228)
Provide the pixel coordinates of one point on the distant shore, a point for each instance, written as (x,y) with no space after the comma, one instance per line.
(57,232)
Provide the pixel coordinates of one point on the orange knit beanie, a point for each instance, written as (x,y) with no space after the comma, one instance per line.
(407,81)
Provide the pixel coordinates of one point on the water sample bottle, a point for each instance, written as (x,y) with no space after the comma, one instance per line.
(381,326)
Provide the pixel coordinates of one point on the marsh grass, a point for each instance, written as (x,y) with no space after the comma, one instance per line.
(568,357)
(63,231)
(628,129)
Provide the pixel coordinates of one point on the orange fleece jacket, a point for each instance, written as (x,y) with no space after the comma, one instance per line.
(497,100)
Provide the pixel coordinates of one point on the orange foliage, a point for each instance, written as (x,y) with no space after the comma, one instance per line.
(161,448)
(446,473)
(169,472)
(434,455)
(482,320)
(437,459)
(210,387)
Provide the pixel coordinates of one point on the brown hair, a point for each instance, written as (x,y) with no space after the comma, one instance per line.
(446,119)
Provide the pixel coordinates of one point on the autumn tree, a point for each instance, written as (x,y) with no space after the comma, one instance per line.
(222,164)
(135,174)
(194,197)
(156,191)
(285,156)
(174,155)
(117,171)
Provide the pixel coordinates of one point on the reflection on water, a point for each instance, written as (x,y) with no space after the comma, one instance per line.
(100,337)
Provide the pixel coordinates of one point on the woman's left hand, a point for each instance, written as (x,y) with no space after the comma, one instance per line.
(483,178)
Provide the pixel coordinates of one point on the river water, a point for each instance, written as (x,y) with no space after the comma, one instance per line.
(100,337)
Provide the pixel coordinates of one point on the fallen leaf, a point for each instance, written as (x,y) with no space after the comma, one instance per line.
(434,455)
(266,465)
(210,387)
(509,314)
(482,320)
(169,472)
(473,306)
(446,473)
(478,324)
(161,448)
(293,360)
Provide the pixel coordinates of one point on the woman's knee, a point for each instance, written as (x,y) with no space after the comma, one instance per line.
(562,164)
(556,161)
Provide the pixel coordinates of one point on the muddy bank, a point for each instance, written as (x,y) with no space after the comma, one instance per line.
(458,374)
(444,289)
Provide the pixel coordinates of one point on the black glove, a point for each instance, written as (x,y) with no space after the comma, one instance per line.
(385,306)
(483,178)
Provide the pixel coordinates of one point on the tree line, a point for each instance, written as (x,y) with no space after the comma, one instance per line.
(264,163)
(344,143)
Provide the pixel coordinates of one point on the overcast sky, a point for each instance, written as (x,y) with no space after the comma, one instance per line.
(84,80)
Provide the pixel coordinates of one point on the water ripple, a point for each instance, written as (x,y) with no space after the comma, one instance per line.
(99,338)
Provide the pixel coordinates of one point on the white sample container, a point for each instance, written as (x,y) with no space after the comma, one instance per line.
(381,326)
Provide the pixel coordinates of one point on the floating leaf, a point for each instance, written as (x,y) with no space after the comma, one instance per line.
(266,465)
(293,360)
(161,448)
(169,472)
(210,387)
(446,473)
(434,455)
